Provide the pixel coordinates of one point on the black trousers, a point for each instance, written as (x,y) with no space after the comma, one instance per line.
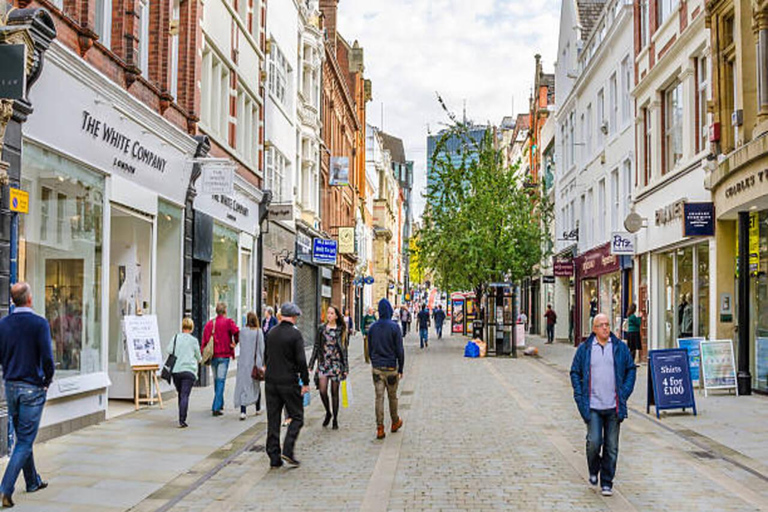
(550,333)
(279,396)
(183,382)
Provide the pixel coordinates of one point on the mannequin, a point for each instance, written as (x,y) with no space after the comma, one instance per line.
(686,321)
(592,307)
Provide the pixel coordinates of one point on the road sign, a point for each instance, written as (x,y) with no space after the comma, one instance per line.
(324,251)
(18,201)
(669,381)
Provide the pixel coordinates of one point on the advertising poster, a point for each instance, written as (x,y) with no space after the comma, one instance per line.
(693,346)
(458,316)
(339,171)
(718,367)
(669,380)
(761,364)
(142,340)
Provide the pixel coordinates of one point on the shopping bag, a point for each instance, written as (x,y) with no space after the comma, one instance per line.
(471,350)
(346,394)
(306,397)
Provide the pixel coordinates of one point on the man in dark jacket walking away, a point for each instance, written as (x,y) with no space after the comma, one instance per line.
(368,321)
(439,316)
(603,378)
(286,363)
(423,320)
(551,318)
(385,344)
(27,360)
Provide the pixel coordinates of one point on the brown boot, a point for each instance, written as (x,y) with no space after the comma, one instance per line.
(397,425)
(380,432)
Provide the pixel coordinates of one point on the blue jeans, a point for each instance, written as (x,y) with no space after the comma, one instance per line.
(25,407)
(603,434)
(439,330)
(219,365)
(423,337)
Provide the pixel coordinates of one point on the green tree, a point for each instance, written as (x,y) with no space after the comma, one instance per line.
(482,223)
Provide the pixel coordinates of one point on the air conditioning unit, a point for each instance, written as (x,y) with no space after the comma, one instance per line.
(604,127)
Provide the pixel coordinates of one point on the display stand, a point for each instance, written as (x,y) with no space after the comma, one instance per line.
(147,374)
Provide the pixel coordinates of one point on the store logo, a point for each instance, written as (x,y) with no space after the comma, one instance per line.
(109,135)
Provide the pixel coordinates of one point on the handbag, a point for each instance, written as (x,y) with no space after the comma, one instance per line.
(258,372)
(208,349)
(170,362)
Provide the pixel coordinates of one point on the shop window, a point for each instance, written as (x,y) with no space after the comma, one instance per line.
(590,303)
(169,270)
(685,275)
(103,21)
(60,250)
(670,303)
(684,292)
(610,299)
(673,126)
(246,285)
(224,270)
(702,289)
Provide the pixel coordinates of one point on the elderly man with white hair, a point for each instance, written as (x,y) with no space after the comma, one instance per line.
(603,378)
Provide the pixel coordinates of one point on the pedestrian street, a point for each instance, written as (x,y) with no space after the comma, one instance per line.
(479,434)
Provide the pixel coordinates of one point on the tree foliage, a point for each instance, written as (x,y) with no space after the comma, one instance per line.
(481,224)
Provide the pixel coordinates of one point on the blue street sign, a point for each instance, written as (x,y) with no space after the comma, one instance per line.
(324,251)
(669,380)
(368,280)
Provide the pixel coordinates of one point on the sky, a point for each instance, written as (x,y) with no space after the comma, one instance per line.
(478,51)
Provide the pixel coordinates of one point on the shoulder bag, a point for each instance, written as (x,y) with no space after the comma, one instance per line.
(208,350)
(258,372)
(167,373)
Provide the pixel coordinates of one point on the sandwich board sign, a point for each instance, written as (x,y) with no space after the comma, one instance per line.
(718,365)
(693,346)
(669,381)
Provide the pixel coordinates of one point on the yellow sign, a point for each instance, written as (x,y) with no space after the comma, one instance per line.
(18,201)
(754,243)
(346,240)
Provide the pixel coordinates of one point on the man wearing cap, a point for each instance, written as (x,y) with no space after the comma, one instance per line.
(286,363)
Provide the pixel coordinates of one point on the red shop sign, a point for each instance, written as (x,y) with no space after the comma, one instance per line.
(563,266)
(597,262)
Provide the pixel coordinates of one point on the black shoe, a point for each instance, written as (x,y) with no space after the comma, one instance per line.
(278,464)
(6,500)
(327,420)
(42,485)
(218,413)
(335,424)
(291,462)
(183,424)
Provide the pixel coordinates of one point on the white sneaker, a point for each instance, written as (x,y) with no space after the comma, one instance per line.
(593,479)
(242,415)
(607,491)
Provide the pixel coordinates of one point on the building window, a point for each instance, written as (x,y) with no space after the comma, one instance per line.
(582,151)
(702,123)
(174,31)
(590,219)
(103,21)
(143,49)
(626,88)
(666,8)
(613,93)
(589,131)
(242,10)
(276,170)
(601,116)
(646,146)
(626,197)
(601,208)
(247,126)
(673,126)
(643,21)
(571,159)
(614,199)
(279,69)
(215,94)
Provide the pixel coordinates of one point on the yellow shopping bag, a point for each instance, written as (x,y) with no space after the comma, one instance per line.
(345,395)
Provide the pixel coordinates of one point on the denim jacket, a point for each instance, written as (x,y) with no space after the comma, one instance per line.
(581,379)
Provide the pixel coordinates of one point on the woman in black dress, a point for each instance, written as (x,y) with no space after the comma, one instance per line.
(330,354)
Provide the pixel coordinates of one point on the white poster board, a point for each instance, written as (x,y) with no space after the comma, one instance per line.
(718,365)
(142,340)
(520,335)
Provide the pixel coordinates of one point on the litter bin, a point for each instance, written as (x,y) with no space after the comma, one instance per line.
(477,329)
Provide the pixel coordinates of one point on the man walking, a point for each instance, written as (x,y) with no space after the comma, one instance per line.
(439,316)
(286,363)
(385,342)
(368,321)
(27,360)
(603,378)
(551,317)
(423,319)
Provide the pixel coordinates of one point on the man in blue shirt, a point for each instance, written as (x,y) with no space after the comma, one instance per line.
(439,315)
(423,319)
(603,378)
(27,360)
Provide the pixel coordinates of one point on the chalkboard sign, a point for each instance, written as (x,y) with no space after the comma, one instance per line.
(669,381)
(718,365)
(693,346)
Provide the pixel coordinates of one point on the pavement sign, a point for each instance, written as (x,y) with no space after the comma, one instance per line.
(669,381)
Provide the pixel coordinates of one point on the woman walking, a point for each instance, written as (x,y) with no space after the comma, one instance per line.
(330,354)
(186,348)
(269,320)
(633,331)
(247,390)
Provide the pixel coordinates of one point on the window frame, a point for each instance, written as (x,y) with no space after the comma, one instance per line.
(673,131)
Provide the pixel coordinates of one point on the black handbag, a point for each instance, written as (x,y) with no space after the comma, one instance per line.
(167,373)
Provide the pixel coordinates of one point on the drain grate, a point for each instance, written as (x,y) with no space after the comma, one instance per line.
(257,448)
(703,455)
(406,393)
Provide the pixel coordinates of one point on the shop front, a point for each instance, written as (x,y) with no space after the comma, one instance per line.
(598,290)
(106,179)
(279,246)
(564,300)
(306,282)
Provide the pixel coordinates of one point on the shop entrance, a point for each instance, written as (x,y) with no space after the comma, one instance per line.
(130,288)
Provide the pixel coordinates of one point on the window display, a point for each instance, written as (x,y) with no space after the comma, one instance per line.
(610,300)
(685,278)
(245,285)
(169,269)
(226,247)
(60,250)
(589,305)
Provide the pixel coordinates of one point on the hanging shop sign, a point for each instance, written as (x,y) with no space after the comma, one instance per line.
(303,246)
(324,251)
(18,200)
(669,381)
(13,73)
(693,347)
(563,266)
(280,212)
(142,340)
(368,280)
(339,171)
(346,240)
(718,365)
(597,262)
(218,176)
(622,243)
(548,279)
(699,219)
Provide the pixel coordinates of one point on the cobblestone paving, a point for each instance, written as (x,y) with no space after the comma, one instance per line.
(484,434)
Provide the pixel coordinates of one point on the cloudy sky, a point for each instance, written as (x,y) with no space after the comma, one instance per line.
(481,51)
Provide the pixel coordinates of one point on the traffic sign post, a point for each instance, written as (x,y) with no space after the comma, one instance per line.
(669,381)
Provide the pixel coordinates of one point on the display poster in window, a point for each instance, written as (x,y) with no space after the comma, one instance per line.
(693,347)
(339,171)
(142,339)
(669,381)
(761,364)
(718,365)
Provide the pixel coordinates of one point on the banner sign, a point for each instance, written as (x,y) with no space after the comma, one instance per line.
(622,243)
(699,219)
(324,251)
(693,346)
(218,177)
(563,267)
(718,365)
(457,318)
(142,339)
(13,73)
(339,171)
(669,381)
(347,240)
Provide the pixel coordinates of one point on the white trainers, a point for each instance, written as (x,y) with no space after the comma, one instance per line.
(242,416)
(607,491)
(593,479)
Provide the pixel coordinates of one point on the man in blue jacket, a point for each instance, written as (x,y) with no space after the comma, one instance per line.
(27,360)
(385,345)
(603,378)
